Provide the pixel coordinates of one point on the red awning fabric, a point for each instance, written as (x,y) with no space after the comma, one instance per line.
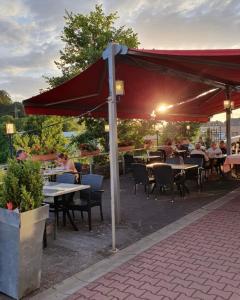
(191,82)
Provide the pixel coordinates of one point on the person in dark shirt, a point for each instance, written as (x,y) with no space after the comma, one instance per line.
(223,147)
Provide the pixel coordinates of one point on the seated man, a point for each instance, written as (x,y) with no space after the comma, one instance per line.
(198,150)
(223,147)
(214,151)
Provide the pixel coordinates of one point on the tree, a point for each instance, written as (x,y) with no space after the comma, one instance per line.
(5,98)
(178,130)
(85,38)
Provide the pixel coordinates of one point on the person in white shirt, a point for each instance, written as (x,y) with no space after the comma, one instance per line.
(198,150)
(214,151)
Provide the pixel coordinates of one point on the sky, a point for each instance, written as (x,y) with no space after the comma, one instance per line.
(30,33)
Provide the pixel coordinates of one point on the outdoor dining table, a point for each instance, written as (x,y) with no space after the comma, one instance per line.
(231,160)
(177,167)
(54,171)
(146,157)
(55,189)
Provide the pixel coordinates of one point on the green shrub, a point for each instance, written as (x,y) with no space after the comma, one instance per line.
(22,185)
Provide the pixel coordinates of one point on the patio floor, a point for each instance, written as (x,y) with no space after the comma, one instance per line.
(74,251)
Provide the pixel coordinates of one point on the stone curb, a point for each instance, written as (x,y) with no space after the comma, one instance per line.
(72,284)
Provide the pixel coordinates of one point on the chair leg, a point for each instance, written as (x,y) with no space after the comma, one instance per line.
(135,189)
(89,219)
(73,214)
(82,215)
(45,237)
(101,212)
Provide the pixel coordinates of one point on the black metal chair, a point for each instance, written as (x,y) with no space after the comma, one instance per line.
(128,160)
(173,160)
(89,198)
(78,167)
(195,174)
(207,166)
(160,153)
(164,178)
(141,176)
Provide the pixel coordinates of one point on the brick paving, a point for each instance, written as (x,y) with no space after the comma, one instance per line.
(201,261)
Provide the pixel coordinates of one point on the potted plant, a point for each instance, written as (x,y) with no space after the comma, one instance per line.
(87,144)
(125,146)
(22,223)
(88,149)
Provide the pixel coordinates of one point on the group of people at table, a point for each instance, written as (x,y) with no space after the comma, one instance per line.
(215,151)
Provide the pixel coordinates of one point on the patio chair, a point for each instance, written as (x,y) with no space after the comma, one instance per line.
(89,198)
(78,167)
(128,160)
(164,178)
(160,153)
(195,174)
(207,167)
(141,176)
(173,160)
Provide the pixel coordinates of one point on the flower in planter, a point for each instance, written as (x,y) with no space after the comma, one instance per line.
(10,205)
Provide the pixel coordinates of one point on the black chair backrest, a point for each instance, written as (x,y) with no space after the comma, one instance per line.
(140,173)
(194,160)
(173,160)
(163,174)
(78,166)
(161,153)
(128,159)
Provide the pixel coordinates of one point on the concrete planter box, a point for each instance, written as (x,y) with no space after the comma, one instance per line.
(21,237)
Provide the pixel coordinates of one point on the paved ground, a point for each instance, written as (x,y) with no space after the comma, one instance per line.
(201,261)
(73,252)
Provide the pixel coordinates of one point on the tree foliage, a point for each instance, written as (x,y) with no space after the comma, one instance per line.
(85,38)
(43,135)
(5,98)
(178,130)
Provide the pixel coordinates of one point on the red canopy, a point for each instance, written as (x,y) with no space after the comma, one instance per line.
(191,82)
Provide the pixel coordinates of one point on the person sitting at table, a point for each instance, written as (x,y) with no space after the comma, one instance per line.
(21,155)
(213,153)
(67,164)
(198,150)
(167,147)
(223,147)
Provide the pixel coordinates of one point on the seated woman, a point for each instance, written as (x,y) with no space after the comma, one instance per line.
(67,164)
(167,147)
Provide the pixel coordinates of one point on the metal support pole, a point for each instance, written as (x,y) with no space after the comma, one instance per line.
(10,145)
(109,54)
(228,124)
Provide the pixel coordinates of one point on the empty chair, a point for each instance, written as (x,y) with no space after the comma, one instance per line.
(161,156)
(197,172)
(164,177)
(128,160)
(141,176)
(174,160)
(78,167)
(89,198)
(65,178)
